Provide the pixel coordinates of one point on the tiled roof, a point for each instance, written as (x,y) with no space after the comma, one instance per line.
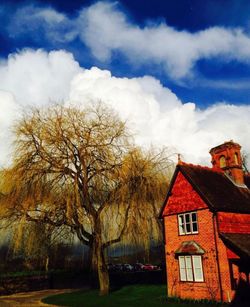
(238,243)
(216,189)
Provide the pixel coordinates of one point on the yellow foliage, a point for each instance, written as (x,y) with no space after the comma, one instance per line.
(80,169)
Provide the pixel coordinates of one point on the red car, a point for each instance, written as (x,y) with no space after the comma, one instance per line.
(149,267)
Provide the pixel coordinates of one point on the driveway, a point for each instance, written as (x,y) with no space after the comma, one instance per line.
(30,299)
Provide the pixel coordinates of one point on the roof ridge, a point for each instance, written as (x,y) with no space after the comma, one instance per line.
(201,167)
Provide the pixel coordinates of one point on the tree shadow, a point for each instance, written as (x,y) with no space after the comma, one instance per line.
(242,294)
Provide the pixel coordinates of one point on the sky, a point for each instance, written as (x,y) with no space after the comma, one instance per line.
(176,71)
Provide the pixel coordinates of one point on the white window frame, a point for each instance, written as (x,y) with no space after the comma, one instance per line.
(185,219)
(190,268)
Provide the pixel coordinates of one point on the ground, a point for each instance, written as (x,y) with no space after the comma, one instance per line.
(29,299)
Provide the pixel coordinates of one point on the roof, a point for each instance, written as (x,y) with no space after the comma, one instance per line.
(215,188)
(247,180)
(189,248)
(239,243)
(228,144)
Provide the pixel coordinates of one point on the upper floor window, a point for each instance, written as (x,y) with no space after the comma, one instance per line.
(191,268)
(188,223)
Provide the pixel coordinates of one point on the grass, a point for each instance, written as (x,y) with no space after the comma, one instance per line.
(130,296)
(23,274)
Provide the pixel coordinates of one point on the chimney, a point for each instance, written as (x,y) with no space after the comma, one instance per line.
(227,157)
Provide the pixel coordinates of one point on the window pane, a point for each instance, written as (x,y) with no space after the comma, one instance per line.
(188,262)
(181,224)
(189,268)
(197,264)
(198,276)
(194,216)
(187,218)
(190,275)
(183,275)
(182,268)
(188,228)
(195,227)
(182,262)
(194,222)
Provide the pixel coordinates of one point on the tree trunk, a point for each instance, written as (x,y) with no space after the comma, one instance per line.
(99,267)
(47,264)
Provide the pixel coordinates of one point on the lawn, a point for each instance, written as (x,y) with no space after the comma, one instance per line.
(130,296)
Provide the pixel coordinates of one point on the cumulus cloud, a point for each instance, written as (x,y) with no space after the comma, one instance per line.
(105,29)
(8,115)
(158,117)
(153,112)
(35,76)
(31,78)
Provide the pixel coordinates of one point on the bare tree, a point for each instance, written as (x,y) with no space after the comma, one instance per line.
(74,168)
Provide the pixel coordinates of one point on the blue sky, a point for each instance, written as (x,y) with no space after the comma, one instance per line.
(219,77)
(177,71)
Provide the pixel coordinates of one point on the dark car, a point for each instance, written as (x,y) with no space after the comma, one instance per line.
(111,267)
(138,266)
(118,267)
(128,267)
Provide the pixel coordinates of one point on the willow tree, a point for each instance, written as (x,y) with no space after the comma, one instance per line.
(147,174)
(37,243)
(74,168)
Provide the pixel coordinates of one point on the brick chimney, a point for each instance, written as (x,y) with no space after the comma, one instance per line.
(227,157)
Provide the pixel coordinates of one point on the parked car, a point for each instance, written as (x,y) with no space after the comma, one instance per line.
(128,267)
(111,267)
(138,266)
(119,267)
(150,267)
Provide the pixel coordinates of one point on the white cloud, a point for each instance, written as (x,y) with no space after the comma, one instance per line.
(31,78)
(8,115)
(160,118)
(154,112)
(35,77)
(39,22)
(137,100)
(105,29)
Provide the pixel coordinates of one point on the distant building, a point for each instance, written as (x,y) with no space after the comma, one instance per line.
(207,228)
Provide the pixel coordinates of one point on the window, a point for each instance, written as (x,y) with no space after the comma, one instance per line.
(222,161)
(188,223)
(236,160)
(191,268)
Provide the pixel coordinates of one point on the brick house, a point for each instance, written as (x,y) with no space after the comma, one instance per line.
(206,218)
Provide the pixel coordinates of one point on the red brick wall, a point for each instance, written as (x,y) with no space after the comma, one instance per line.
(228,150)
(183,199)
(205,238)
(227,292)
(234,222)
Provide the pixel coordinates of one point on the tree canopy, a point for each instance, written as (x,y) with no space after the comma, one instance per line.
(79,169)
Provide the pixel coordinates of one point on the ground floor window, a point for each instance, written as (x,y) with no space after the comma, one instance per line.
(191,268)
